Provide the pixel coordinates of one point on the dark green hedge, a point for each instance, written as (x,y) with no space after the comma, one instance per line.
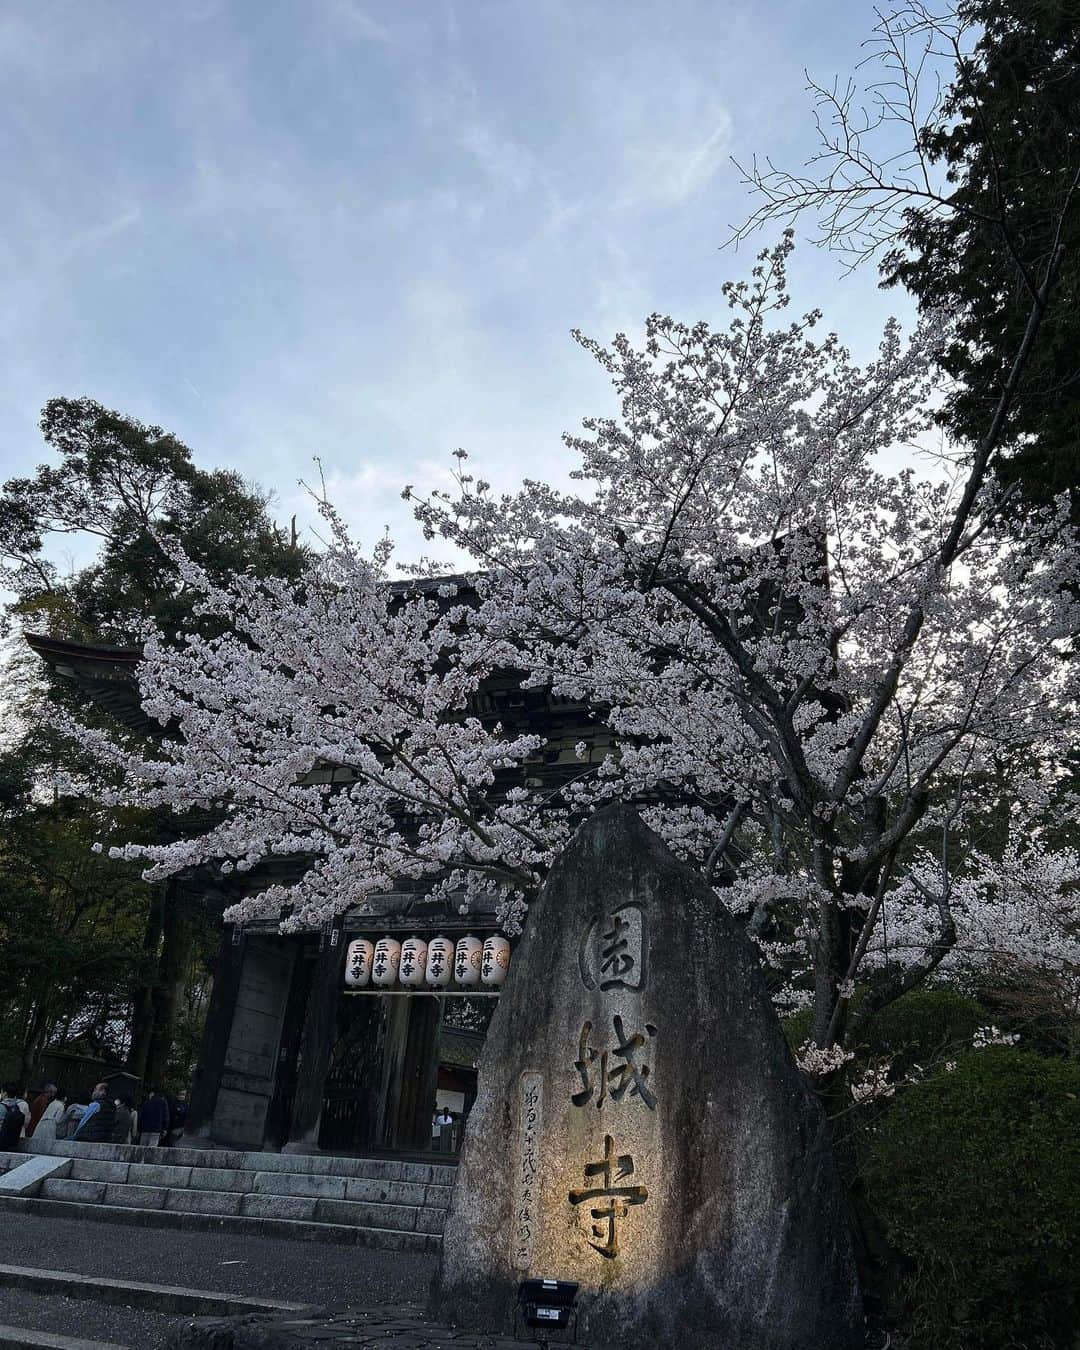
(976,1176)
(916,1029)
(921,1027)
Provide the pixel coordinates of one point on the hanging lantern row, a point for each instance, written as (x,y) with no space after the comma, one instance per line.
(416,964)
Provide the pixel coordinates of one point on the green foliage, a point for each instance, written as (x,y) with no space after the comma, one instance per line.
(797,1028)
(134,487)
(71,921)
(976,1177)
(920,1027)
(1008,140)
(915,1029)
(84,948)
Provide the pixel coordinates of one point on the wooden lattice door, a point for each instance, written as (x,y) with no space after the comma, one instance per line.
(352,1107)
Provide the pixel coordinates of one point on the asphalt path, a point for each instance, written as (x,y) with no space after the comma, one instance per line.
(81,1319)
(320,1273)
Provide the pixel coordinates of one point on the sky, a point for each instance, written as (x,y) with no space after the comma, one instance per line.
(283,229)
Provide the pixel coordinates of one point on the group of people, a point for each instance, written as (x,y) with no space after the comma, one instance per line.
(106,1118)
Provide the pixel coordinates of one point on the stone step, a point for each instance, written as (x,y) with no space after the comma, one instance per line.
(349,1234)
(164,1298)
(28,1338)
(320,1164)
(321,1186)
(264,1205)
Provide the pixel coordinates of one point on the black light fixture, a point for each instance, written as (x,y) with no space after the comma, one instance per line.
(546,1303)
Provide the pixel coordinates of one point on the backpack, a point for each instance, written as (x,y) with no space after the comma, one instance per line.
(12,1121)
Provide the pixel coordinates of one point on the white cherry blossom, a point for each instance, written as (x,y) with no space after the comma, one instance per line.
(819,679)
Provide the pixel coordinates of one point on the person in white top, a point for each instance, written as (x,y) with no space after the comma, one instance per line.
(45,1129)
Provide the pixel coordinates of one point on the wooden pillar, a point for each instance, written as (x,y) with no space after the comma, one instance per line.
(316,1043)
(419,1076)
(395,1039)
(219,1020)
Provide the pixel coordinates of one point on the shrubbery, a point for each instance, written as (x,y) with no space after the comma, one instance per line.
(916,1029)
(920,1027)
(976,1177)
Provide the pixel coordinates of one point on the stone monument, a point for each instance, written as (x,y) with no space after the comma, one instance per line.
(641,1128)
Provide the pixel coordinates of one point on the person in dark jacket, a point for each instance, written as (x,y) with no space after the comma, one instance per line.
(153,1118)
(124,1129)
(99,1119)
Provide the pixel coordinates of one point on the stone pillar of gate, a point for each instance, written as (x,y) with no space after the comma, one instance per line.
(316,1043)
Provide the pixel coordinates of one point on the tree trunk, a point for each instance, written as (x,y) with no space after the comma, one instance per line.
(142,1010)
(178,933)
(34,1040)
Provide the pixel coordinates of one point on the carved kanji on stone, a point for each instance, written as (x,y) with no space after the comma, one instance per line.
(614,1082)
(615,1201)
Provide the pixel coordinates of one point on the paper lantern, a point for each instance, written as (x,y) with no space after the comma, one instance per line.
(358,963)
(440,962)
(467,959)
(495,961)
(384,968)
(413,962)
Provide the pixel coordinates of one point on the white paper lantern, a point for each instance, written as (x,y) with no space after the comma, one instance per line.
(440,962)
(467,959)
(384,969)
(358,963)
(495,961)
(413,962)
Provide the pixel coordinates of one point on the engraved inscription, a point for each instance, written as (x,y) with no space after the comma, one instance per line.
(527,1178)
(614,950)
(608,1202)
(628,1072)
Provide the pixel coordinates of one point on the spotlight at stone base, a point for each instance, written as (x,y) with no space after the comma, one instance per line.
(546,1303)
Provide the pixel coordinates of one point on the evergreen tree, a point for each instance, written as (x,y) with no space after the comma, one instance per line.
(1008,135)
(137,490)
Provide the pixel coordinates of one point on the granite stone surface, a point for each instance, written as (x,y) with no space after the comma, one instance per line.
(641,1128)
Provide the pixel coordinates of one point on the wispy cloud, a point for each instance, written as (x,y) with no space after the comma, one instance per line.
(92,236)
(505,162)
(363,229)
(670,173)
(356,22)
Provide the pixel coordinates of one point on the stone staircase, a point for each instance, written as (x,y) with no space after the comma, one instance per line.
(372,1202)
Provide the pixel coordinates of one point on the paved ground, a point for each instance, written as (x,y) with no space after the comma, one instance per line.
(403,1328)
(78,1317)
(300,1272)
(377,1297)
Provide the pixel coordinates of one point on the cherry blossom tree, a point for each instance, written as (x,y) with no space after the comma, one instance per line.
(822,679)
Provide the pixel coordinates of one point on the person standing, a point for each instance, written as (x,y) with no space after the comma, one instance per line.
(153,1119)
(445,1121)
(99,1119)
(69,1121)
(178,1109)
(45,1129)
(14,1114)
(124,1129)
(38,1106)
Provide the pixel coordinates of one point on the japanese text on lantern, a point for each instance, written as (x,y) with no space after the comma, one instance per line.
(527,1181)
